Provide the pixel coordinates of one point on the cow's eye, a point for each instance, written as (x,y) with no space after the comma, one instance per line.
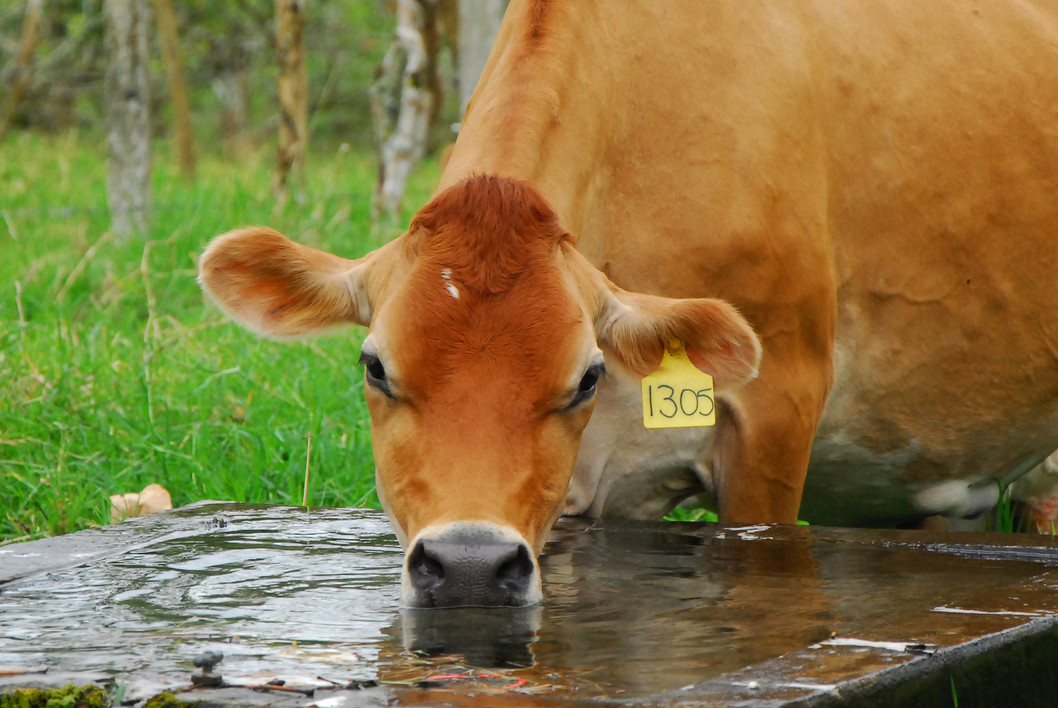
(375,373)
(586,388)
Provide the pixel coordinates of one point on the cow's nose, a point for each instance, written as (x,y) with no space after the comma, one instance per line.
(470,564)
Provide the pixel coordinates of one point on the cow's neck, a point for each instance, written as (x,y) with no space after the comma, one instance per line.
(519,121)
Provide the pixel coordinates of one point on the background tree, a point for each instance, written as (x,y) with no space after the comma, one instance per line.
(479,21)
(408,91)
(173,60)
(229,67)
(292,90)
(406,94)
(128,115)
(64,87)
(23,64)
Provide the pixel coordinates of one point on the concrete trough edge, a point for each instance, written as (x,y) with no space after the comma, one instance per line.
(1014,666)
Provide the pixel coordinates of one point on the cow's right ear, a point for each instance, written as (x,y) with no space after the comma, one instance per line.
(278,288)
(718,340)
(636,328)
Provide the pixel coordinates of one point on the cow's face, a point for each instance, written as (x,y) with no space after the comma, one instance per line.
(486,341)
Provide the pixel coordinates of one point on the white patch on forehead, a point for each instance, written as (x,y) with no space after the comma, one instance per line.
(446,275)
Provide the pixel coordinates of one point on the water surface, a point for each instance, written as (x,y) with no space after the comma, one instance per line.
(628,611)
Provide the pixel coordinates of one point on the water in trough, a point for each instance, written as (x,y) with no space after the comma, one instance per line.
(634,611)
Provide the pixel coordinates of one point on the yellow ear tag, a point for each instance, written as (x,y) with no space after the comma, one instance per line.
(678,395)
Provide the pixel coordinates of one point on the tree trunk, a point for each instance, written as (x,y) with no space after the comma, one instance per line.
(127,115)
(232,86)
(479,21)
(174,75)
(292,88)
(404,100)
(23,74)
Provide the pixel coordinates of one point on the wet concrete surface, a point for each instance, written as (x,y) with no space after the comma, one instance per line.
(658,614)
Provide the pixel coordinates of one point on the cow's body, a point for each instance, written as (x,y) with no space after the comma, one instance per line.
(873,185)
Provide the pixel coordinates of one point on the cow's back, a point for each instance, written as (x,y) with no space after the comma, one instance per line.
(872,184)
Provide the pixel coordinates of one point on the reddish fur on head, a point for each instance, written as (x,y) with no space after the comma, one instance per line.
(487,231)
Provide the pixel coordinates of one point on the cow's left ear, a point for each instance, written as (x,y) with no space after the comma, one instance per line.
(278,288)
(636,328)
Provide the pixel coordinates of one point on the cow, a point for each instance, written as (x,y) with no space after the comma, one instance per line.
(846,213)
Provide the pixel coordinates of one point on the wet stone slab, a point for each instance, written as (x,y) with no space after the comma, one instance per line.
(658,614)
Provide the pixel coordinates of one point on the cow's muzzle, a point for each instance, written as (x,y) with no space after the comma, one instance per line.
(470,564)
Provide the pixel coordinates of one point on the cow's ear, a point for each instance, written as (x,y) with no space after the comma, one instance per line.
(278,288)
(719,341)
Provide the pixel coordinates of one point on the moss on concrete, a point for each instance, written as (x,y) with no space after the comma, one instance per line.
(165,700)
(66,697)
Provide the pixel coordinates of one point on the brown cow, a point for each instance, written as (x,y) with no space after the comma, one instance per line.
(874,186)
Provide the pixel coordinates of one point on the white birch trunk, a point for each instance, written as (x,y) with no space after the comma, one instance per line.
(401,124)
(127,115)
(479,22)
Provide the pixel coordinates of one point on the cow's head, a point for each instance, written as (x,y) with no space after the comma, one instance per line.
(485,345)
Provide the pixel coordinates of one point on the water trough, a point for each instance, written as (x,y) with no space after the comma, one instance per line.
(659,614)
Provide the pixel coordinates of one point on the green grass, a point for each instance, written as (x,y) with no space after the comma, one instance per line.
(1005,517)
(681,513)
(114,373)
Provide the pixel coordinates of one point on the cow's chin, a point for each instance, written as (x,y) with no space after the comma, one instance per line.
(470,564)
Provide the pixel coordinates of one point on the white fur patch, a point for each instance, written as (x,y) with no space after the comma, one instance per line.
(446,275)
(959,498)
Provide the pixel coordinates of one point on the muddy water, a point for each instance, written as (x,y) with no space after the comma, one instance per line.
(629,611)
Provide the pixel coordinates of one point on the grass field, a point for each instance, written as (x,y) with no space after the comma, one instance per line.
(114,373)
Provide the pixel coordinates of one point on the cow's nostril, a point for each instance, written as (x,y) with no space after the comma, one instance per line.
(426,571)
(514,574)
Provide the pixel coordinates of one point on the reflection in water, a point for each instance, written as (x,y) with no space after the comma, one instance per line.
(648,608)
(483,638)
(636,610)
(288,594)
